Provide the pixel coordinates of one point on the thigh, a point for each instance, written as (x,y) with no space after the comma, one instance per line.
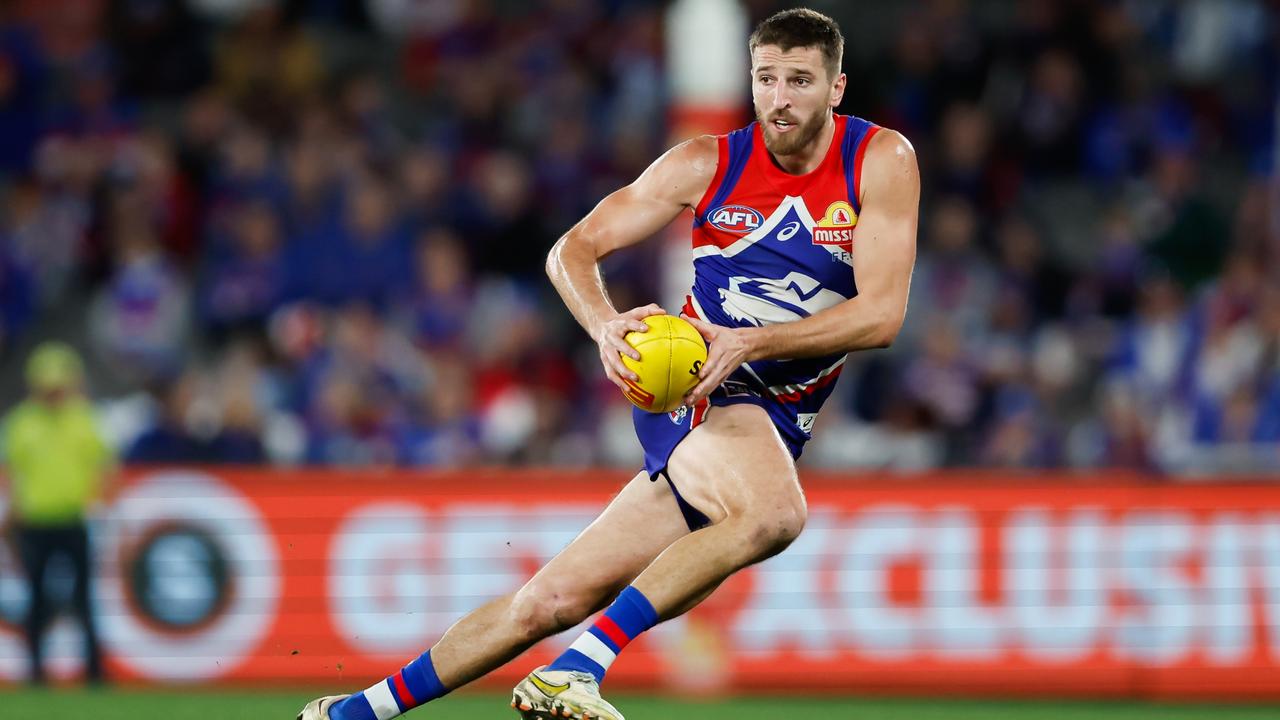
(636,526)
(735,462)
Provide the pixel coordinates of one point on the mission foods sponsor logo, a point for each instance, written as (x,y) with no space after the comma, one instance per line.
(836,226)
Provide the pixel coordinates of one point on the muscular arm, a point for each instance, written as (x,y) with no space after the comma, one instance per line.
(884,251)
(675,181)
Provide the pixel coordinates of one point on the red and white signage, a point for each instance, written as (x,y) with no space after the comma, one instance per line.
(1112,588)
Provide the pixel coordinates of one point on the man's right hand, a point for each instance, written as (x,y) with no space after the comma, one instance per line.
(611,339)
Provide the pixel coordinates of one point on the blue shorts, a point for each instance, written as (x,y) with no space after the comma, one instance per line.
(660,433)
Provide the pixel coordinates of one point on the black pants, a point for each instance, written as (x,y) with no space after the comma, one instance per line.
(37,546)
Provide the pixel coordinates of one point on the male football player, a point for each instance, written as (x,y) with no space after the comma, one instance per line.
(803,243)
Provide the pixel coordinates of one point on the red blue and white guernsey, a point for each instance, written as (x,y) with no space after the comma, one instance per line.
(770,247)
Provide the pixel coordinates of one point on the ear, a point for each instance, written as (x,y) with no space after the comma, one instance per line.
(837,90)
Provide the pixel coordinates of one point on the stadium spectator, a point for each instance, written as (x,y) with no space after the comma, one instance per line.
(139,320)
(204,419)
(437,307)
(22,80)
(17,298)
(247,278)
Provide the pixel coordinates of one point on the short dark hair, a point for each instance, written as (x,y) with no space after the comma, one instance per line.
(801,28)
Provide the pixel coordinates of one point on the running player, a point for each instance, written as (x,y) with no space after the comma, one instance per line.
(803,244)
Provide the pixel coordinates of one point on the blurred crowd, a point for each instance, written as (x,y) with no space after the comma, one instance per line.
(1099,272)
(313,232)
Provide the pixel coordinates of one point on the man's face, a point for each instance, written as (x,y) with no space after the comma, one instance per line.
(52,397)
(793,95)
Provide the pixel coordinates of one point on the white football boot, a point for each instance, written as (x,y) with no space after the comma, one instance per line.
(547,694)
(318,709)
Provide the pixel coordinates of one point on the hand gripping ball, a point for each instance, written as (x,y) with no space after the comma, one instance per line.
(671,354)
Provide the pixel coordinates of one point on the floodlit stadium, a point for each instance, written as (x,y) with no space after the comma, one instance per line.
(311,388)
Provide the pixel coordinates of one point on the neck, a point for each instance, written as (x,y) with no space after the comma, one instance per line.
(809,157)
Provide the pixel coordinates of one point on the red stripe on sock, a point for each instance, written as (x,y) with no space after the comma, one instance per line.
(406,698)
(606,625)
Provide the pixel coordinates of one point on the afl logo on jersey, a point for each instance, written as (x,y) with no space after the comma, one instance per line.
(735,218)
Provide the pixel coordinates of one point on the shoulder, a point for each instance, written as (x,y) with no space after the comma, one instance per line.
(890,162)
(16,421)
(19,413)
(695,157)
(890,147)
(686,170)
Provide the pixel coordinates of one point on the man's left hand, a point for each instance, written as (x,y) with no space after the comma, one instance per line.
(727,349)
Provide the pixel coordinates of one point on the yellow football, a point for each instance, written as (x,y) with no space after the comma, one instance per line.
(671,354)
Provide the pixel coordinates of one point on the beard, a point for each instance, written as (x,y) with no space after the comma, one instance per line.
(791,142)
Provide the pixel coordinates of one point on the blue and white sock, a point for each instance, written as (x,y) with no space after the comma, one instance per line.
(416,684)
(596,649)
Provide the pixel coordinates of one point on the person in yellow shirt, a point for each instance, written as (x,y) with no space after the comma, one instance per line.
(57,464)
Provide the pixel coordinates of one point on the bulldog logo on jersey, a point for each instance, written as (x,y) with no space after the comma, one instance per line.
(735,219)
(677,415)
(835,229)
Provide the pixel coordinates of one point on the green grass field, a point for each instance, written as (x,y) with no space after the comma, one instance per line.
(205,705)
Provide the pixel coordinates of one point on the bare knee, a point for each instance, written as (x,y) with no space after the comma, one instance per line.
(768,531)
(537,611)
